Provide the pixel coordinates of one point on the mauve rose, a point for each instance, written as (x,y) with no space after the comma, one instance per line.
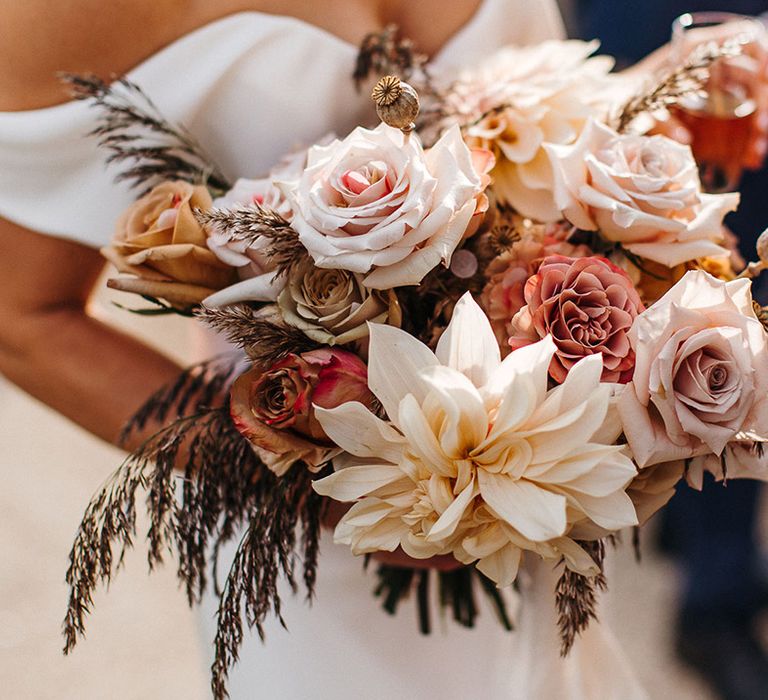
(504,293)
(274,408)
(641,191)
(743,458)
(587,305)
(701,372)
(378,205)
(652,488)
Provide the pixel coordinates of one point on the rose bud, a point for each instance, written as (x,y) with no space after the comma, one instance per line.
(274,408)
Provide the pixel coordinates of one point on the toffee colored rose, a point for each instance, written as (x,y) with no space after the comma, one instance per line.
(504,293)
(159,241)
(587,305)
(701,372)
(333,306)
(378,205)
(641,191)
(274,408)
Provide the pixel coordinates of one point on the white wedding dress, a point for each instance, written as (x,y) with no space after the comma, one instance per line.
(251,87)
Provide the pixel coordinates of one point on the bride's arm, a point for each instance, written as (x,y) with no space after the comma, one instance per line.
(50,347)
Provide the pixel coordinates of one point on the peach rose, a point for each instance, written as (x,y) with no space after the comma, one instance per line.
(701,372)
(159,241)
(641,191)
(587,305)
(274,408)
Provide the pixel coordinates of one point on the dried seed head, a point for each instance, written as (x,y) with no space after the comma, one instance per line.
(386,91)
(762,247)
(397,103)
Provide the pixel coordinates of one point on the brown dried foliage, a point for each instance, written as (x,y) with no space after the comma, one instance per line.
(265,340)
(224,487)
(576,597)
(683,81)
(139,138)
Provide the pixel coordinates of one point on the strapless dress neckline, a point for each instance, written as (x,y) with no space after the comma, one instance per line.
(250,86)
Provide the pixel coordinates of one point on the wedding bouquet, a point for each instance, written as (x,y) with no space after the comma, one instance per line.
(502,327)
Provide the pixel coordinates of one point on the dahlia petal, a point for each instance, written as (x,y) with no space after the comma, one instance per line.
(537,514)
(468,344)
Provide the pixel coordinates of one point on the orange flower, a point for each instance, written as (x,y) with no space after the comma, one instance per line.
(159,241)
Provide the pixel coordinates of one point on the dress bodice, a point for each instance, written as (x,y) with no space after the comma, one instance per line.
(250,87)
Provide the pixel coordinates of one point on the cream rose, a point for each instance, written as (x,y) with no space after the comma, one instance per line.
(377,204)
(334,307)
(701,372)
(641,191)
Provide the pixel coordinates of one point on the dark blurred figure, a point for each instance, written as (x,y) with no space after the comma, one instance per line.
(713,532)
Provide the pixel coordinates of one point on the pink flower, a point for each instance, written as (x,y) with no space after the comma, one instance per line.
(378,205)
(503,295)
(701,373)
(274,408)
(587,305)
(257,274)
(641,191)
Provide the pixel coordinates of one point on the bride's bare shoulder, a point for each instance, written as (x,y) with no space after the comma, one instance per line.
(39,38)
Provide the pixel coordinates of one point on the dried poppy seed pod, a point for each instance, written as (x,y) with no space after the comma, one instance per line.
(762,247)
(397,103)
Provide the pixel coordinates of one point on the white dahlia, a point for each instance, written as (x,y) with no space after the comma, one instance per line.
(478,457)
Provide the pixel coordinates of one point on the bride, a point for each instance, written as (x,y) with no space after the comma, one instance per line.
(251,80)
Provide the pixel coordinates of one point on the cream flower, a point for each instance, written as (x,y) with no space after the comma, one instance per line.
(477,458)
(377,204)
(641,191)
(334,307)
(523,98)
(701,372)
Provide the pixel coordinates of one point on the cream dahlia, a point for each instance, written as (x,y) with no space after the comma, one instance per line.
(477,458)
(523,98)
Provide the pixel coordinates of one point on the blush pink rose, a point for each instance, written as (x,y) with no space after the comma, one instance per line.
(588,306)
(701,372)
(274,408)
(379,205)
(255,270)
(640,191)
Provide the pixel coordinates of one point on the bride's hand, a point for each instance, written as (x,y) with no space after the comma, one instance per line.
(397,558)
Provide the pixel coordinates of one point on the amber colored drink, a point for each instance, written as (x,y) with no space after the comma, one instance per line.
(721,125)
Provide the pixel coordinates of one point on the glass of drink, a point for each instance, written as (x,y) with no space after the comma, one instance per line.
(723,121)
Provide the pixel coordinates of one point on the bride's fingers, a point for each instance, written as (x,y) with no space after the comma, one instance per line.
(400,558)
(335,511)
